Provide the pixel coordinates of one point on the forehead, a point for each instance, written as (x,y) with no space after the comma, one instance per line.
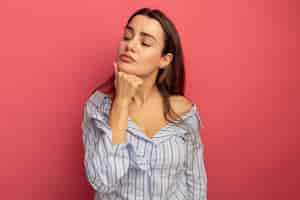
(148,25)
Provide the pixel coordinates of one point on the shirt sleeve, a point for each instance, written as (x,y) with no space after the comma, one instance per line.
(196,177)
(105,163)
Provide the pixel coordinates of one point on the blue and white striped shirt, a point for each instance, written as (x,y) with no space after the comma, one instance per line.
(167,166)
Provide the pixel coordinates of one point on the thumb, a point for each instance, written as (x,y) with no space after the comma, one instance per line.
(115,68)
(116,73)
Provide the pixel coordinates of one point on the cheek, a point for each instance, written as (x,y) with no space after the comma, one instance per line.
(151,58)
(147,60)
(121,47)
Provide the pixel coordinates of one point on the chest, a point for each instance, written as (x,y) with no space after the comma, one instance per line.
(150,121)
(169,155)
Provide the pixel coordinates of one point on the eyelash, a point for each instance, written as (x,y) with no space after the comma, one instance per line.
(144,44)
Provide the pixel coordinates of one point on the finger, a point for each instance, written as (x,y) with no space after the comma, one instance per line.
(116,73)
(115,68)
(138,83)
(130,79)
(136,80)
(139,80)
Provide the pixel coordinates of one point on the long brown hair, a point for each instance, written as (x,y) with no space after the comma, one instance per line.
(170,80)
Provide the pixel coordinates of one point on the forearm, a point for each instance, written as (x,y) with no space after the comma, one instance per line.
(118,121)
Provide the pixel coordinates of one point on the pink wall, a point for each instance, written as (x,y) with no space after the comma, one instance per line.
(242,72)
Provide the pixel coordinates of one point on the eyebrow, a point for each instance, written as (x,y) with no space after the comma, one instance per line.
(142,33)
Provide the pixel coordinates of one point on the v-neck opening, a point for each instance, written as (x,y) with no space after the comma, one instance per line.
(169,124)
(144,133)
(157,133)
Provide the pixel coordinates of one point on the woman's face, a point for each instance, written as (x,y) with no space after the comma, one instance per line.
(143,40)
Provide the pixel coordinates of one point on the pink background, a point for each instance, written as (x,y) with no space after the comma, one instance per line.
(241,63)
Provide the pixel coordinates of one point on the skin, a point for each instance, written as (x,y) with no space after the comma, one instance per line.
(146,50)
(136,80)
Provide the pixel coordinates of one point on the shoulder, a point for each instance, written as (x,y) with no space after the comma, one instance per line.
(97,96)
(102,93)
(183,105)
(180,104)
(98,101)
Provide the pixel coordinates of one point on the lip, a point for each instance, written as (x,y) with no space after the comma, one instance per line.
(127,58)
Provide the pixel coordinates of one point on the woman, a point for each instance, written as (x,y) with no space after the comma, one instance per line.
(141,139)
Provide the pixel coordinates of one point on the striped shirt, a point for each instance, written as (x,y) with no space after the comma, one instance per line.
(168,166)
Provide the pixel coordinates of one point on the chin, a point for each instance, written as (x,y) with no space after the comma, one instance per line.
(127,68)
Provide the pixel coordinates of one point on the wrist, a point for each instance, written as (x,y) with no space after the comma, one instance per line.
(121,102)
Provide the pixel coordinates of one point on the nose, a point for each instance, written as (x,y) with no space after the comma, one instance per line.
(131,45)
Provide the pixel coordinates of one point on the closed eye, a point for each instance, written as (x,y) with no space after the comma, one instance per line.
(143,43)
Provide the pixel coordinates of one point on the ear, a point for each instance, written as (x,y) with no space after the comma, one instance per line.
(166,60)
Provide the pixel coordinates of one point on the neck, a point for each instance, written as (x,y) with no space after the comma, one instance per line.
(146,90)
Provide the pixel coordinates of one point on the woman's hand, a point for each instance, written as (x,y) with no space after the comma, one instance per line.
(126,85)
